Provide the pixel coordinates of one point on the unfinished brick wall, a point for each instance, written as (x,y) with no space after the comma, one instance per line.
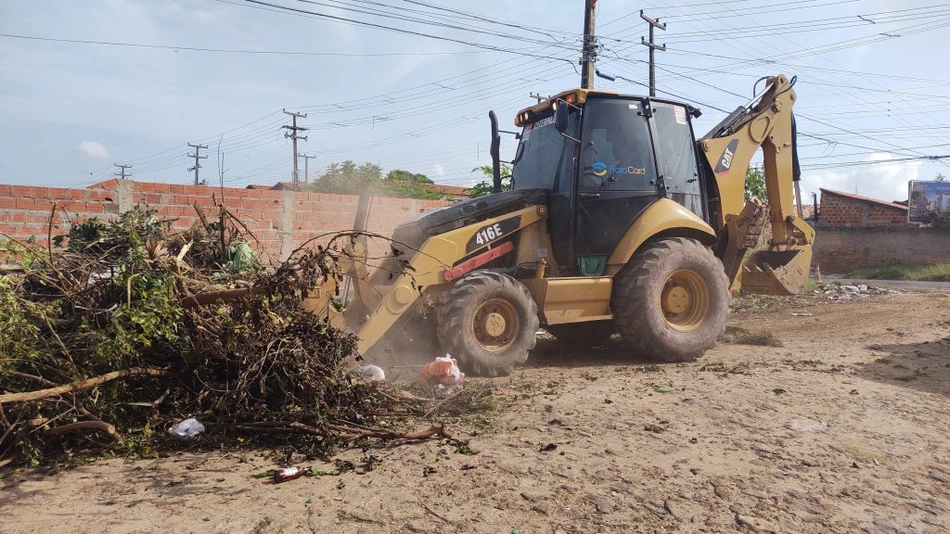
(840,211)
(841,251)
(280,220)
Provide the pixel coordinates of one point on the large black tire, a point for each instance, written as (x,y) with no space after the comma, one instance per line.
(671,300)
(489,322)
(578,335)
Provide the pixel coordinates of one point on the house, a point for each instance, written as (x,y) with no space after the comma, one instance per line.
(845,210)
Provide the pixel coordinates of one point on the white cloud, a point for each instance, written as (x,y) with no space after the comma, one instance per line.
(884,181)
(94,150)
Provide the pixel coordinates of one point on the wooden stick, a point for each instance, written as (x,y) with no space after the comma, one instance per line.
(434,430)
(81,384)
(92,425)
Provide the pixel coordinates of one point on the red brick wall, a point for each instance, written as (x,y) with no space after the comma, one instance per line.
(280,220)
(843,212)
(841,251)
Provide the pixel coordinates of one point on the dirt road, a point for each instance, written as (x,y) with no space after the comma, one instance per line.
(845,428)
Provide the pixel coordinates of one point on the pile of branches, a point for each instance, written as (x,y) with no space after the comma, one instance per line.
(119,329)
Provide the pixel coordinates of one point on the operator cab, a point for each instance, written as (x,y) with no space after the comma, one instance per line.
(604,158)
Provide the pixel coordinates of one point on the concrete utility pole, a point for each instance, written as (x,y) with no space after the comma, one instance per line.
(294,134)
(197,157)
(122,169)
(306,168)
(589,52)
(653,48)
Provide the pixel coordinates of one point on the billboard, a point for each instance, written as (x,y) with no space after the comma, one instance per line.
(924,198)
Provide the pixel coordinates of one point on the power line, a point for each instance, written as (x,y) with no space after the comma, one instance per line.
(177,48)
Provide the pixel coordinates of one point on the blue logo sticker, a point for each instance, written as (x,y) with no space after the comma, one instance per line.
(599,168)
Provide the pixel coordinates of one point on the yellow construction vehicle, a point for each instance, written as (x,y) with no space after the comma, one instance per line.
(618,221)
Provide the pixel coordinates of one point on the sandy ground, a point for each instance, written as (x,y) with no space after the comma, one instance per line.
(844,429)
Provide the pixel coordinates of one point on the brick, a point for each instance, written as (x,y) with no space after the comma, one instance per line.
(25,203)
(7,203)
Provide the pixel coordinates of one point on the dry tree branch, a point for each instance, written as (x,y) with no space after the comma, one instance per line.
(93,425)
(81,384)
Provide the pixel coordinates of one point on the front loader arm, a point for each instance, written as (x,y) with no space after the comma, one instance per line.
(783,268)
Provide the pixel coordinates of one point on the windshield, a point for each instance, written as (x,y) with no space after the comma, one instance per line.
(539,156)
(617,151)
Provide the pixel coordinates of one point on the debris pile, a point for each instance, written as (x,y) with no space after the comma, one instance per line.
(118,330)
(837,291)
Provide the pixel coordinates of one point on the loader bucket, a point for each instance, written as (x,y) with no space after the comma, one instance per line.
(777,272)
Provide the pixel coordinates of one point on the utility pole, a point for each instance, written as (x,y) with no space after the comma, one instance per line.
(294,134)
(653,48)
(306,168)
(197,157)
(589,52)
(122,169)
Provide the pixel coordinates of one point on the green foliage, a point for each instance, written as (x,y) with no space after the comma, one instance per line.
(755,185)
(349,179)
(405,184)
(940,177)
(904,271)
(485,187)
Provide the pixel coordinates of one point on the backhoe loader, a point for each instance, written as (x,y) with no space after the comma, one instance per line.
(618,221)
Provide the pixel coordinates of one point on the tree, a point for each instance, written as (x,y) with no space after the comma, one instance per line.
(486,187)
(755,184)
(399,183)
(940,177)
(347,179)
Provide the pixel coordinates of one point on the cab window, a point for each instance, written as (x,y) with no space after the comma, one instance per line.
(616,152)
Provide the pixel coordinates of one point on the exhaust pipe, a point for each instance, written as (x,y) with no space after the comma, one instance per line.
(495,158)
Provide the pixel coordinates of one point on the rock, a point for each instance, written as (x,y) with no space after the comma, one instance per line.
(604,504)
(418,526)
(672,509)
(533,497)
(755,524)
(365,516)
(806,425)
(542,508)
(939,477)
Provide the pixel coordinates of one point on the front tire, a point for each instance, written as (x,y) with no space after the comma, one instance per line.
(488,321)
(671,300)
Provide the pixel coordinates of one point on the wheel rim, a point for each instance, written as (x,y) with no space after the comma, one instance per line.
(495,324)
(685,300)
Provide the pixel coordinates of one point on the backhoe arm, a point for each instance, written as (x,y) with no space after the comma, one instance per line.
(781,269)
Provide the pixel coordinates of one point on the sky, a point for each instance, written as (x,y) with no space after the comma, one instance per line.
(410,83)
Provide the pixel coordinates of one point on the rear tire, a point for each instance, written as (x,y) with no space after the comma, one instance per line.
(671,300)
(583,335)
(488,322)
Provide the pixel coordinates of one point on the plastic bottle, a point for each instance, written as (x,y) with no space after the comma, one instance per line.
(290,473)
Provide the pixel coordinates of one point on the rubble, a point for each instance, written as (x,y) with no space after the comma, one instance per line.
(836,291)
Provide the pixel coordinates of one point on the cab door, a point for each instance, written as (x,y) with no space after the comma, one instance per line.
(617,178)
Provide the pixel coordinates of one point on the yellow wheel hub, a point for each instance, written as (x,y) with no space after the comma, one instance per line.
(496,324)
(685,300)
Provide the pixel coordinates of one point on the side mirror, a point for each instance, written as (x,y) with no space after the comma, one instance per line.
(561,118)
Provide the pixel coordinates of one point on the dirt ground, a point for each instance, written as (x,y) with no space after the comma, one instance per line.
(842,429)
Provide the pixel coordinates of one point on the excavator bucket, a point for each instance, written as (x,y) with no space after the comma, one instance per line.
(777,272)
